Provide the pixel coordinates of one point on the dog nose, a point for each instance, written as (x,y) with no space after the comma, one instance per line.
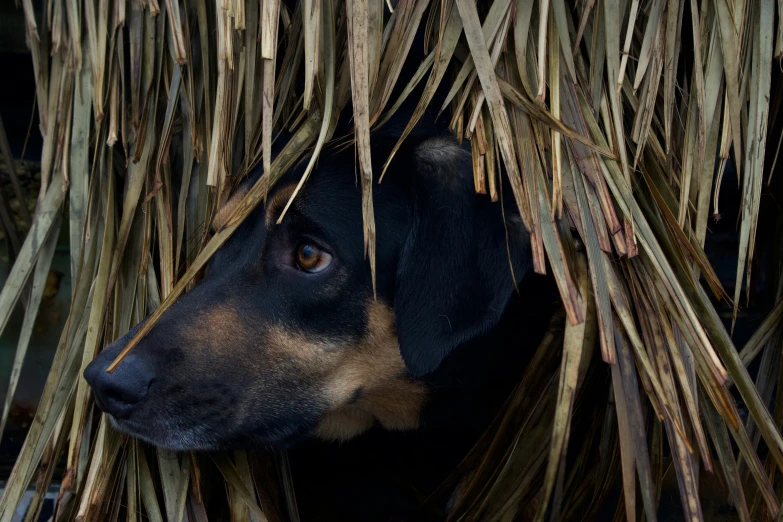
(118,393)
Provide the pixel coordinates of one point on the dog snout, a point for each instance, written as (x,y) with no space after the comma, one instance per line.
(118,393)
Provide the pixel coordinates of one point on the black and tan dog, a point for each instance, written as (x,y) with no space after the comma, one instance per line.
(283,344)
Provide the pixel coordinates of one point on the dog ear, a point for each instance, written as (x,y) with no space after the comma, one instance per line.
(454,277)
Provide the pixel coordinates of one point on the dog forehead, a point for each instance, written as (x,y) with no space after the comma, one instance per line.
(329,199)
(328,208)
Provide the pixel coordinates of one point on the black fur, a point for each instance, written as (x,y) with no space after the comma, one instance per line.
(444,265)
(453,279)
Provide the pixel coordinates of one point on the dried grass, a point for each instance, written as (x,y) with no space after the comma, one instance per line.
(611,118)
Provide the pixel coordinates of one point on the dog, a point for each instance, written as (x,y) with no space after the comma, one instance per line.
(377,393)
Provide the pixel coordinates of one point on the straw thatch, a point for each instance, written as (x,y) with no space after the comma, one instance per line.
(614,120)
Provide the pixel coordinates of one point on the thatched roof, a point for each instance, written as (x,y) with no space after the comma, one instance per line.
(614,122)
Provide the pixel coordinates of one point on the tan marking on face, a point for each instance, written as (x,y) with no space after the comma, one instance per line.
(344,424)
(389,396)
(277,203)
(227,210)
(311,355)
(373,365)
(396,406)
(213,327)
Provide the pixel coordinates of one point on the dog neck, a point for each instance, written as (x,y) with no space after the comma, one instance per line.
(397,469)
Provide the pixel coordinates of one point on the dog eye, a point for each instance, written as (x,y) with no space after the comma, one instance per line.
(312,259)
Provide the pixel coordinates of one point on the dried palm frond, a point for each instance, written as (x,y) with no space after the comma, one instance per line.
(614,121)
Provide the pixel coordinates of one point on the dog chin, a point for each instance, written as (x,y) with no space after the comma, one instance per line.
(170,438)
(178,439)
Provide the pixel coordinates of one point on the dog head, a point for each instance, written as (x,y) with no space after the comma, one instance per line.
(283,337)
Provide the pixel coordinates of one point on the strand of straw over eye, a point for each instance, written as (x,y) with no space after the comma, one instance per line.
(287,157)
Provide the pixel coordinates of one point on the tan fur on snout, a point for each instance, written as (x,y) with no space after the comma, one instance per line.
(214,327)
(371,370)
